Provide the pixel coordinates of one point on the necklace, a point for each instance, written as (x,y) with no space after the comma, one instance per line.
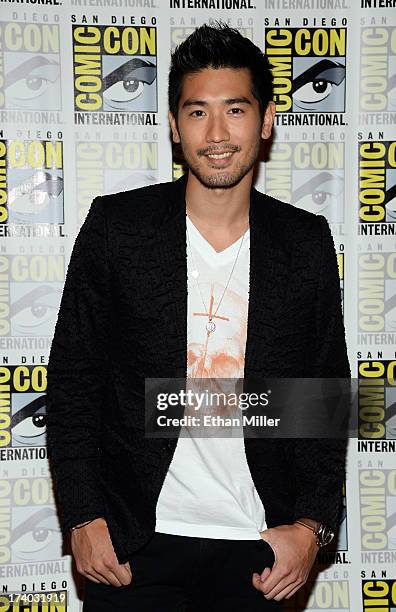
(211,325)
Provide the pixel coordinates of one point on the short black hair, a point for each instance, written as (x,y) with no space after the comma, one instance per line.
(219,46)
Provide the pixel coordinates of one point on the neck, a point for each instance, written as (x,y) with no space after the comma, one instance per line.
(222,208)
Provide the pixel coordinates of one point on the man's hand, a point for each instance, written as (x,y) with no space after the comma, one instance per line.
(95,557)
(295,550)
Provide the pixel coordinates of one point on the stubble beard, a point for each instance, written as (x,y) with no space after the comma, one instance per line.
(223,179)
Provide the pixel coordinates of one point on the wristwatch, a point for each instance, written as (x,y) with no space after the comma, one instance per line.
(323,533)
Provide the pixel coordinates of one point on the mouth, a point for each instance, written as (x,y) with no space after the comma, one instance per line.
(224,155)
(220,159)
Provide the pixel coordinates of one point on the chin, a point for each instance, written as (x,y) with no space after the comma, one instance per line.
(218,181)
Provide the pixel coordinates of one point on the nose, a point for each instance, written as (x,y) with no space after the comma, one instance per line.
(217,128)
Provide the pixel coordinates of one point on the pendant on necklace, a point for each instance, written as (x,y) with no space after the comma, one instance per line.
(195,273)
(210,326)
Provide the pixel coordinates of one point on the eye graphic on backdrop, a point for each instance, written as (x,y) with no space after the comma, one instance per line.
(33,78)
(322,194)
(391,523)
(33,194)
(390,203)
(392,91)
(390,311)
(391,422)
(37,537)
(29,423)
(36,309)
(128,82)
(317,84)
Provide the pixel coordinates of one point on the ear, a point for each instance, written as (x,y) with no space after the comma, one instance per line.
(268,120)
(175,132)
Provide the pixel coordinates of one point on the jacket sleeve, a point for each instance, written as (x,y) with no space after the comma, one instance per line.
(319,464)
(76,375)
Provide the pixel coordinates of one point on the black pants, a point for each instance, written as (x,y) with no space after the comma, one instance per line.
(174,573)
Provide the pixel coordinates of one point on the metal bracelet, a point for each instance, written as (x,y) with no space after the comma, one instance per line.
(82,525)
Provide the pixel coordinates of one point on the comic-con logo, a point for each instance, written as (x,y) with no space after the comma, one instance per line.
(379,595)
(115,68)
(377,294)
(309,175)
(377,400)
(29,66)
(30,528)
(377,181)
(308,67)
(377,493)
(30,292)
(377,69)
(31,181)
(23,420)
(113,166)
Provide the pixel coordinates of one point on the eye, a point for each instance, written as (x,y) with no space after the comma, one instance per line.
(35,314)
(28,88)
(32,426)
(317,201)
(238,111)
(314,91)
(34,540)
(32,78)
(37,533)
(321,193)
(125,91)
(196,111)
(318,82)
(128,81)
(35,309)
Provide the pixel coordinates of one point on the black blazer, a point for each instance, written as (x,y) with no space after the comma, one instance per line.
(123,317)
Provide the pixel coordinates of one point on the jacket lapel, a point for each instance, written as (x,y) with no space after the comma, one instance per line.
(268,280)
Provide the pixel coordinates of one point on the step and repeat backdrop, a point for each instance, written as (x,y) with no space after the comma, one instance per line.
(83,106)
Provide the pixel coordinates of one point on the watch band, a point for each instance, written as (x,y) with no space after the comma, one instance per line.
(322,533)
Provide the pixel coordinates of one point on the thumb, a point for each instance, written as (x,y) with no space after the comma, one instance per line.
(265,573)
(125,572)
(127,567)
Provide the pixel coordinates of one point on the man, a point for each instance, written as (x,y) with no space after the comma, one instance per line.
(201,277)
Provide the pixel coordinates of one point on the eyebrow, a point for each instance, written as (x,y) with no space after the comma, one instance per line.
(241,100)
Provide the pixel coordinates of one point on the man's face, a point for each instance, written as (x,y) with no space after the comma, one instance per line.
(219,125)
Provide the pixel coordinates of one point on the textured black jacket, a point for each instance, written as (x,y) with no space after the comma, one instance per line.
(123,317)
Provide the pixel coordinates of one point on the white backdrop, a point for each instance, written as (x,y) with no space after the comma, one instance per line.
(72,129)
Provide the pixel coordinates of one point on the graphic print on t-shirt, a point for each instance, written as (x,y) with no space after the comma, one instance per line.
(218,354)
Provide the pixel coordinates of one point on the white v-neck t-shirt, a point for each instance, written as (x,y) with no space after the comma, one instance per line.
(208,490)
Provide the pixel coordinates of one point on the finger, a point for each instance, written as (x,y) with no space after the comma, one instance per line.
(95,577)
(257,582)
(256,579)
(299,585)
(265,573)
(128,568)
(108,576)
(288,591)
(278,588)
(261,586)
(122,574)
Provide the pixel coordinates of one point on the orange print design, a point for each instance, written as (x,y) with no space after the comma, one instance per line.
(219,357)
